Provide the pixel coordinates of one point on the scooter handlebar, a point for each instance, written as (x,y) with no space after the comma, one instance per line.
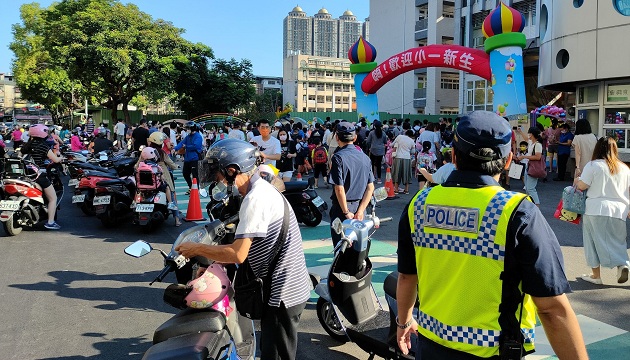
(170,266)
(385,219)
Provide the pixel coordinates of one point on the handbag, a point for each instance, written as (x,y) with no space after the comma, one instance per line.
(251,292)
(537,168)
(574,200)
(516,171)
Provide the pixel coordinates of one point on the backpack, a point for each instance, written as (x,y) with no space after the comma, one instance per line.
(320,156)
(425,160)
(148,176)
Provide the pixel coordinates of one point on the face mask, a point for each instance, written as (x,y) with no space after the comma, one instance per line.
(283,137)
(523,148)
(563,131)
(220,131)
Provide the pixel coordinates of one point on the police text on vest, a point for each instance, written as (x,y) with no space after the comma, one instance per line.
(452,218)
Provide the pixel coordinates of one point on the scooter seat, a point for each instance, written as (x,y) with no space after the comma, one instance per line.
(111,182)
(100,174)
(390,284)
(202,346)
(190,321)
(295,186)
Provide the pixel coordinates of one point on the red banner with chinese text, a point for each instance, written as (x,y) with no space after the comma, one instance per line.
(457,57)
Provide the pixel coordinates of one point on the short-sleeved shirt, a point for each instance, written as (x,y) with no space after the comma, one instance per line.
(564,149)
(269,147)
(140,136)
(440,176)
(261,216)
(537,252)
(607,194)
(351,169)
(236,134)
(285,163)
(430,136)
(404,146)
(39,152)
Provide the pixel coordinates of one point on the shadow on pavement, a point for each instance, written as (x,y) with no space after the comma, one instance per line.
(120,348)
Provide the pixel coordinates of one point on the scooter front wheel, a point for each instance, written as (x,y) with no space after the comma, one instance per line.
(329,320)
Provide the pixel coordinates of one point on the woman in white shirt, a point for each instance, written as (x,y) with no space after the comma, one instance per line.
(607,180)
(584,144)
(404,147)
(534,153)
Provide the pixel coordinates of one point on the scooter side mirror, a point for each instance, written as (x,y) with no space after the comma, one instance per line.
(138,249)
(337,226)
(203,193)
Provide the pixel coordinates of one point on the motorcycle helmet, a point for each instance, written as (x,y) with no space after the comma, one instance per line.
(192,126)
(208,289)
(150,154)
(157,138)
(231,153)
(38,131)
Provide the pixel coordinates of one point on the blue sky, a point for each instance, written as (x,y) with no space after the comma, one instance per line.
(235,28)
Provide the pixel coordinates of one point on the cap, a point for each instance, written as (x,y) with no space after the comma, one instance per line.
(483,129)
(345,127)
(278,124)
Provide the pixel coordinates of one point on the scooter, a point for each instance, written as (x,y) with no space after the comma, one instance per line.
(24,203)
(197,333)
(112,200)
(307,205)
(348,308)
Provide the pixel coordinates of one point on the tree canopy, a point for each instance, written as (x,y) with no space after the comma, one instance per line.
(114,54)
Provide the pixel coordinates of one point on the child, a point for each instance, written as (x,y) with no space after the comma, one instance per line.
(154,154)
(320,160)
(425,160)
(301,150)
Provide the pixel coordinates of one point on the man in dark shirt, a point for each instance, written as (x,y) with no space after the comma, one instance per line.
(101,143)
(512,235)
(140,135)
(351,177)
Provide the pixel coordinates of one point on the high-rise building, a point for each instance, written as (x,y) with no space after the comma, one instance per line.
(321,34)
(298,33)
(400,25)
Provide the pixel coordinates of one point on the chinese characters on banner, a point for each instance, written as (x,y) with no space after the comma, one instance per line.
(473,61)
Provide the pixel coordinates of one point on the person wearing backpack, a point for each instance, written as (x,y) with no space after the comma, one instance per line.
(425,161)
(320,160)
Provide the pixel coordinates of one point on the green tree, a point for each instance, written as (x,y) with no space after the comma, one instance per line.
(205,85)
(37,77)
(264,104)
(115,51)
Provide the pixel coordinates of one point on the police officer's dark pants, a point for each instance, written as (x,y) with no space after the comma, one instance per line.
(190,167)
(336,213)
(279,332)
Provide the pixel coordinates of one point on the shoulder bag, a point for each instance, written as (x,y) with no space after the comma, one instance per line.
(537,168)
(251,292)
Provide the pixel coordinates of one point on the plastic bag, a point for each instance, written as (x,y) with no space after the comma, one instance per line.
(565,215)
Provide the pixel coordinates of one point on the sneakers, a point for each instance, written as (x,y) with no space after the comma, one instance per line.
(315,187)
(187,192)
(622,274)
(55,226)
(592,280)
(172,206)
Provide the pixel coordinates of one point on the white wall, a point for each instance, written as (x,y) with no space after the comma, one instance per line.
(392,30)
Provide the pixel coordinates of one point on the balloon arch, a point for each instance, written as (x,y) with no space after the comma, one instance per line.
(501,64)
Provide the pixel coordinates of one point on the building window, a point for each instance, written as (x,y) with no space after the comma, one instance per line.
(478,95)
(311,97)
(422,81)
(320,87)
(448,11)
(329,74)
(337,87)
(312,85)
(447,40)
(618,93)
(449,82)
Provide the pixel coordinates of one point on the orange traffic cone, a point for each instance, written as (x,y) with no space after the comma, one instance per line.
(193,213)
(389,185)
(299,177)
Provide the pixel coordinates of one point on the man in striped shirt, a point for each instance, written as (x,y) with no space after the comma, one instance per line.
(260,222)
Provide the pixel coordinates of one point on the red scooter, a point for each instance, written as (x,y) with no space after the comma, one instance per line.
(24,203)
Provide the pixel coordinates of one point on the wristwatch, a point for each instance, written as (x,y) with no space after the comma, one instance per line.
(405,325)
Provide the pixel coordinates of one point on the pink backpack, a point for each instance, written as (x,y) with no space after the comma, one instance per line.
(148,176)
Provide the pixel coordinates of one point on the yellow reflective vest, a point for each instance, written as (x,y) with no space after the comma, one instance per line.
(459,237)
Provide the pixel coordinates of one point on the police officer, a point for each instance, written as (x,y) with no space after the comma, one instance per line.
(475,255)
(351,177)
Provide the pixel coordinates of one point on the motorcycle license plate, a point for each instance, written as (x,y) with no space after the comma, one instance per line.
(9,205)
(101,200)
(318,201)
(78,198)
(73,182)
(144,207)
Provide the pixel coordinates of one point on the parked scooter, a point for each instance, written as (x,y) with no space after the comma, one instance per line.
(214,332)
(150,204)
(24,203)
(348,307)
(307,205)
(112,200)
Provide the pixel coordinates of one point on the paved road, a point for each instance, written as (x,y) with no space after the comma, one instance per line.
(73,294)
